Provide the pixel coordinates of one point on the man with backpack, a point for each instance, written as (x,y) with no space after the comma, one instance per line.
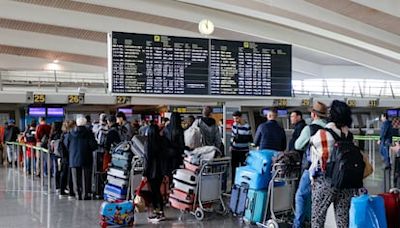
(42,140)
(303,193)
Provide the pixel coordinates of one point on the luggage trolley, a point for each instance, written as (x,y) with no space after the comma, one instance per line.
(281,193)
(208,189)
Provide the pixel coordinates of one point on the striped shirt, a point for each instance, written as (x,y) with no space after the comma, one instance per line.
(241,136)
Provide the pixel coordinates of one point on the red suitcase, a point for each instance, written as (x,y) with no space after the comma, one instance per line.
(392,207)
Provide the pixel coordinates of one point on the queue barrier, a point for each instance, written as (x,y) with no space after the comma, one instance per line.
(34,150)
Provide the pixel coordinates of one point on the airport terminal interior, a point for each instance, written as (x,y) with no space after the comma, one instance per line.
(147,63)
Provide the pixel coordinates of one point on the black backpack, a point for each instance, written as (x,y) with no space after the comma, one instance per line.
(346,165)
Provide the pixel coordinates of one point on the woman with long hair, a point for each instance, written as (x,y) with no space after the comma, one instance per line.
(174,143)
(154,171)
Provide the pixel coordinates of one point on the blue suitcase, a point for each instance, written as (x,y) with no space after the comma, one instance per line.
(117,214)
(261,160)
(367,211)
(120,161)
(115,192)
(255,180)
(237,203)
(255,206)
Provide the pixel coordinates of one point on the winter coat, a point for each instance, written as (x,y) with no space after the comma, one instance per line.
(156,164)
(173,148)
(271,136)
(11,133)
(81,144)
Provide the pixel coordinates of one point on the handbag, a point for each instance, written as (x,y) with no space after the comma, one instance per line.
(368,170)
(139,201)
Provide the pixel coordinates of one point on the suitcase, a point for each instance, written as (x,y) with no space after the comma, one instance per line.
(183,186)
(260,160)
(120,161)
(189,166)
(255,205)
(180,205)
(124,148)
(138,145)
(98,176)
(255,180)
(120,173)
(387,179)
(367,211)
(117,214)
(182,196)
(392,208)
(117,181)
(237,202)
(185,176)
(115,192)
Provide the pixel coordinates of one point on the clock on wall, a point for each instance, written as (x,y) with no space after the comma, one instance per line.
(206,27)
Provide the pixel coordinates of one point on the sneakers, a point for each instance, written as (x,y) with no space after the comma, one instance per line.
(156,217)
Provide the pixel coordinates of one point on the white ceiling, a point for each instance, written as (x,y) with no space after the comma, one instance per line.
(33,33)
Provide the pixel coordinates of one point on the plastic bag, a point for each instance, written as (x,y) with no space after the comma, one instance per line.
(139,201)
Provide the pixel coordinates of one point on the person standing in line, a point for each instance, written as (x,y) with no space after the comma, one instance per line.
(11,135)
(66,175)
(296,118)
(81,144)
(269,134)
(385,140)
(42,140)
(319,113)
(112,139)
(126,129)
(241,137)
(31,141)
(209,129)
(55,135)
(154,171)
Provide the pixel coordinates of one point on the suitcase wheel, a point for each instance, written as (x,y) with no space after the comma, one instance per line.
(199,214)
(272,224)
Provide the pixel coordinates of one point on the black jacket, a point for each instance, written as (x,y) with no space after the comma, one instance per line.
(113,138)
(270,136)
(156,164)
(81,144)
(11,133)
(173,148)
(297,131)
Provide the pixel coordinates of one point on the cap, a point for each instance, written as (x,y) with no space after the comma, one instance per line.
(320,108)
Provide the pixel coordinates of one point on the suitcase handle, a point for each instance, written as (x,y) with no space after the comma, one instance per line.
(246,178)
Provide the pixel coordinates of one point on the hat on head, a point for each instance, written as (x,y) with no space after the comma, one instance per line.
(237,113)
(320,108)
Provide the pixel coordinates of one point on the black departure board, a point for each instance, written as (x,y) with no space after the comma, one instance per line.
(250,69)
(154,64)
(157,64)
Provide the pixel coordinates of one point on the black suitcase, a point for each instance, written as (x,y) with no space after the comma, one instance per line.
(387,172)
(98,176)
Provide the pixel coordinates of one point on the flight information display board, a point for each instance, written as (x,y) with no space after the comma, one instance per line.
(156,64)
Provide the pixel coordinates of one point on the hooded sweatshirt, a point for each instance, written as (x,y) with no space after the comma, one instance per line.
(209,131)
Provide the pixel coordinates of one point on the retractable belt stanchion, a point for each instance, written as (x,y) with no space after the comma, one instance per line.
(48,172)
(41,170)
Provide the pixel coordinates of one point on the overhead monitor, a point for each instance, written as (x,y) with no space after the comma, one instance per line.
(143,64)
(128,111)
(37,111)
(392,112)
(282,112)
(56,112)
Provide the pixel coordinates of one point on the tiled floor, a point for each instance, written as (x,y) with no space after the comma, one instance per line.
(24,205)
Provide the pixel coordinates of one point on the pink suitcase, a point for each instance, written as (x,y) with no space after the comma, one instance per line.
(180,205)
(191,167)
(182,196)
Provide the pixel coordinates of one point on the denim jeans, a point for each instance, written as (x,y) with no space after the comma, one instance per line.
(303,201)
(384,149)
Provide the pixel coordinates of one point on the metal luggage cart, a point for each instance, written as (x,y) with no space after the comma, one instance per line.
(281,193)
(209,187)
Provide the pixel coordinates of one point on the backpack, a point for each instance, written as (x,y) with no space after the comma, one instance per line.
(55,147)
(29,136)
(193,137)
(346,164)
(101,136)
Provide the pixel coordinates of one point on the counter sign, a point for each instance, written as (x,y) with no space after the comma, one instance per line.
(39,98)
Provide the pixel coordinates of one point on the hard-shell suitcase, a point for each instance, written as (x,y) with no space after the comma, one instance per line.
(180,204)
(255,205)
(367,211)
(260,160)
(183,186)
(115,192)
(189,166)
(122,183)
(117,214)
(182,196)
(248,175)
(120,173)
(387,172)
(185,176)
(237,203)
(392,208)
(98,176)
(120,161)
(124,148)
(138,145)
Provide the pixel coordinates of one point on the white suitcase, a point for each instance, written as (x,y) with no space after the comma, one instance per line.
(117,181)
(185,175)
(118,173)
(183,186)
